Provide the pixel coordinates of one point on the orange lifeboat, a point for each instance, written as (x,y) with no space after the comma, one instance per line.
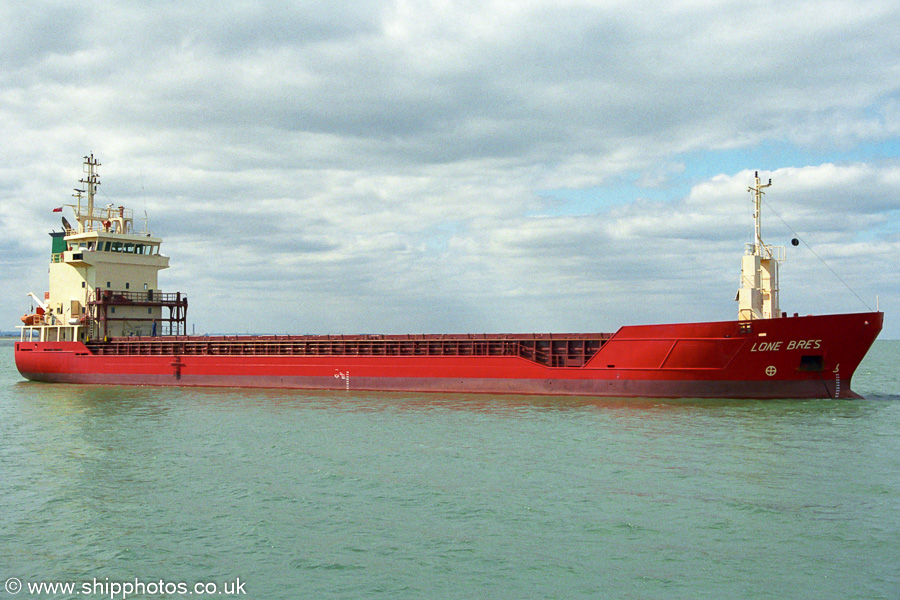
(32,319)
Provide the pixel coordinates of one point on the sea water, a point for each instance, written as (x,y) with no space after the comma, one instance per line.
(142,492)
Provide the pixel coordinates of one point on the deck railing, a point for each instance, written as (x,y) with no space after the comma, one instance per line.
(555,350)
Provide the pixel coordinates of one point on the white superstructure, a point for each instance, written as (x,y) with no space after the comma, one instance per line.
(103,276)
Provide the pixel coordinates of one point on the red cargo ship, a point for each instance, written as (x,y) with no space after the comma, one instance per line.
(104,321)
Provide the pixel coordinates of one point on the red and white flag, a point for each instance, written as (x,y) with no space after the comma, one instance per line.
(58,209)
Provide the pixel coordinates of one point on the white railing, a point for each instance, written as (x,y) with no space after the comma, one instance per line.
(766,251)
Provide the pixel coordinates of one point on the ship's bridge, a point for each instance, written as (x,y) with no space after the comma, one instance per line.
(103,276)
(92,247)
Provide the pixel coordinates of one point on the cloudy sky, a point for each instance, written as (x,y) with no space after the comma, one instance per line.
(434,166)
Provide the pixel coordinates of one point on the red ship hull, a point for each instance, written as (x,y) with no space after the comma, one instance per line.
(795,357)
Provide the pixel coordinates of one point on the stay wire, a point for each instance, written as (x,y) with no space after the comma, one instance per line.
(833,272)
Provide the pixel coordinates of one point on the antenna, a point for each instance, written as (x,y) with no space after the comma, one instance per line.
(79,194)
(91,182)
(757,191)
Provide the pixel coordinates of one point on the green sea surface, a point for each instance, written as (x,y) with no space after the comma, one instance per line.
(142,492)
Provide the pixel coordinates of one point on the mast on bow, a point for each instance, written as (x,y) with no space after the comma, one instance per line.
(758,296)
